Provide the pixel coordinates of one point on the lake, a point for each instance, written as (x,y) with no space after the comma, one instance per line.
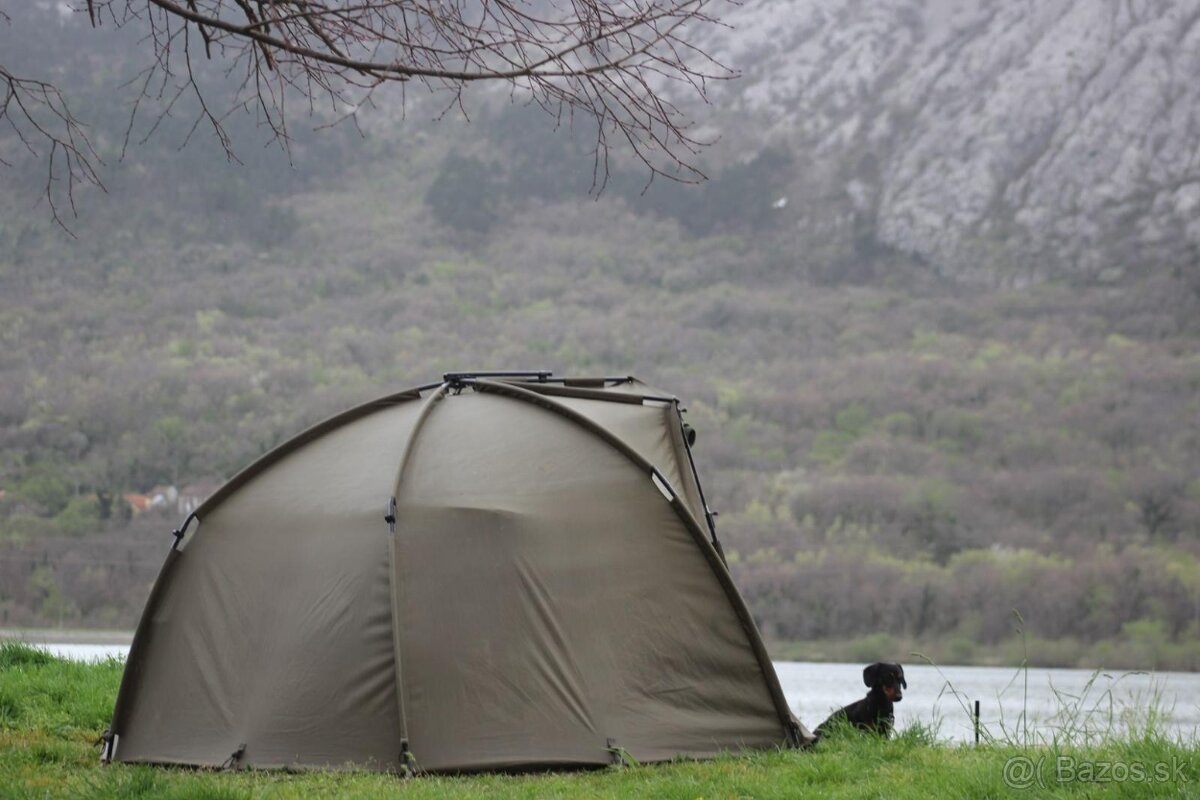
(1053,699)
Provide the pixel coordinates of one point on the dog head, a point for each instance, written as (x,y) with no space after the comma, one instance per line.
(887,678)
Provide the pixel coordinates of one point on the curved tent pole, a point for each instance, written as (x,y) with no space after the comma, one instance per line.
(708,514)
(133,660)
(591,393)
(304,437)
(142,632)
(390,518)
(790,725)
(422,415)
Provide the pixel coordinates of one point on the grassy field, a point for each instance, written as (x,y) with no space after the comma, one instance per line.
(53,711)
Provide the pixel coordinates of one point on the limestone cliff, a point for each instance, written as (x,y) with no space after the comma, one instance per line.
(1004,142)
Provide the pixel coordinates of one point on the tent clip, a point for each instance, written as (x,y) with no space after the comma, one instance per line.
(181,530)
(389,516)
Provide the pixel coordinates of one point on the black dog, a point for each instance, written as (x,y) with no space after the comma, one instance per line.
(875,711)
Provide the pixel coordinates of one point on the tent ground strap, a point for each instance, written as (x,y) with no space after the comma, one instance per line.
(408,764)
(108,743)
(618,756)
(235,757)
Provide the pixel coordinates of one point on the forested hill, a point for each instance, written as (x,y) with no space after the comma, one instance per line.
(900,454)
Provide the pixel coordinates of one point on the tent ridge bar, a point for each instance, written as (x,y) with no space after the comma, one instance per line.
(458,377)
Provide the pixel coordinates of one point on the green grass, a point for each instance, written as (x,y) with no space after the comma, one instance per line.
(52,713)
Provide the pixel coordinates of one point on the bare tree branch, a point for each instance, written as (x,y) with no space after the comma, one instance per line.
(615,61)
(37,113)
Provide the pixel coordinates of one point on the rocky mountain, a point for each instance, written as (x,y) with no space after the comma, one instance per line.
(997,142)
(1003,143)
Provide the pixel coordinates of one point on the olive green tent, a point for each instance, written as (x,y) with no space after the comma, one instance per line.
(498,571)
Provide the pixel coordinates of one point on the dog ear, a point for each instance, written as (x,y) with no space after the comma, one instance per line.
(871,675)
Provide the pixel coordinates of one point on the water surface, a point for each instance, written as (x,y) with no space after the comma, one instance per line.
(1048,701)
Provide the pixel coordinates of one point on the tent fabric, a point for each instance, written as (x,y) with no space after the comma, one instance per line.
(546,595)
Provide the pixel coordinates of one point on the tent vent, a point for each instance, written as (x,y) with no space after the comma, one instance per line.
(662,485)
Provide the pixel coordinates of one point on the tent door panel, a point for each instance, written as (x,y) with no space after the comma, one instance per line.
(489,674)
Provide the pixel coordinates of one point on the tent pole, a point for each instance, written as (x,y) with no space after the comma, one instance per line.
(708,514)
(407,761)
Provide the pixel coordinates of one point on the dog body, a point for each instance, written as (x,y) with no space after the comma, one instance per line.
(875,712)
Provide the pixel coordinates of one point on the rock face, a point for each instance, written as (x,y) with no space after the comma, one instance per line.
(1003,142)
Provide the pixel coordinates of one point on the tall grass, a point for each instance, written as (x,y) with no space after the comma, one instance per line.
(41,692)
(1090,717)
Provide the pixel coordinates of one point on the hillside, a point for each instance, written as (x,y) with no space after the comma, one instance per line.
(905,442)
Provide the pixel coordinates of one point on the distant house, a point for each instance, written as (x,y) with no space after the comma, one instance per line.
(190,497)
(137,503)
(163,497)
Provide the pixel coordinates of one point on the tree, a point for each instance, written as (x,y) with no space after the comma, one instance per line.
(463,196)
(611,60)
